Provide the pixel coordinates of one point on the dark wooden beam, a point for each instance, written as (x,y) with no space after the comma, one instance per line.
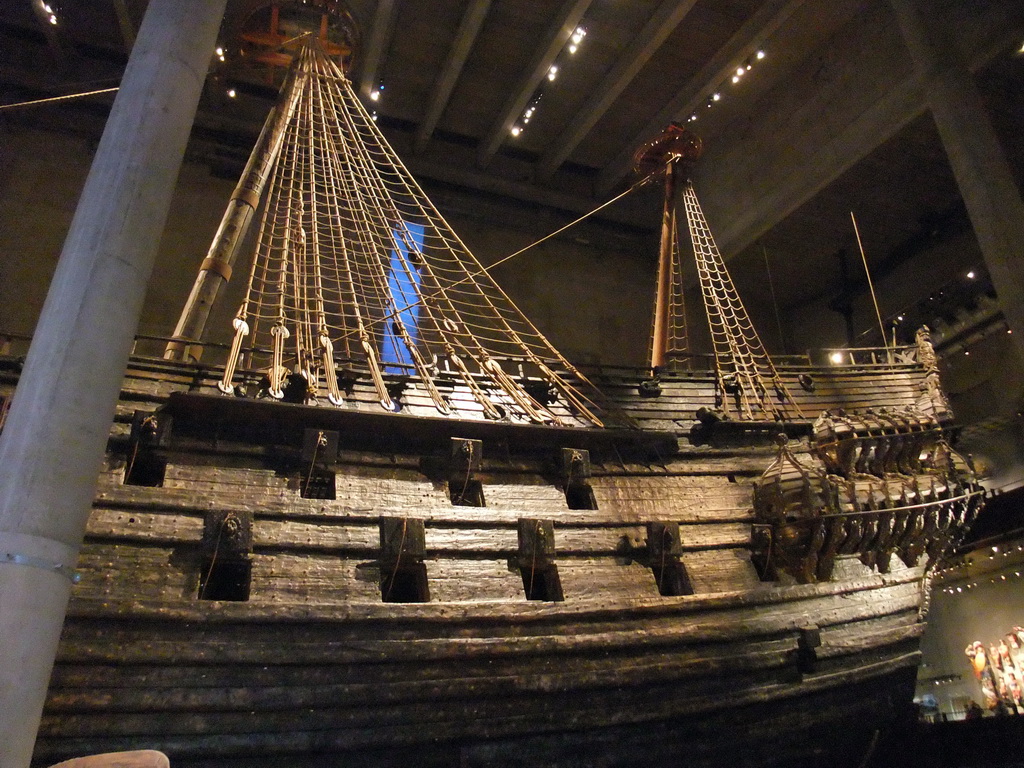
(745,42)
(472,21)
(125,24)
(379,41)
(668,16)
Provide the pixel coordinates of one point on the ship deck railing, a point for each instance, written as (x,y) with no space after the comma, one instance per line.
(148,347)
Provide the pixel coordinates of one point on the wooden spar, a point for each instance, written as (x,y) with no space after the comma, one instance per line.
(659,341)
(216,267)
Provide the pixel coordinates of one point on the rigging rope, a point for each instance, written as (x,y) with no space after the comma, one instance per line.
(353,265)
(742,364)
(52,99)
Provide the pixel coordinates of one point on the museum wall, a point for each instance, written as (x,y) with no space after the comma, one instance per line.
(986,612)
(589,291)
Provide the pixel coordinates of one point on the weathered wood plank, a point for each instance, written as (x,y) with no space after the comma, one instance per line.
(168,643)
(493,718)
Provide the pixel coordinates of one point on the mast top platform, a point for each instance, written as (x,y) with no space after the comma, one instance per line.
(676,143)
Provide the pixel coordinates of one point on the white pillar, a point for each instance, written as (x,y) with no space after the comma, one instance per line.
(979,164)
(56,433)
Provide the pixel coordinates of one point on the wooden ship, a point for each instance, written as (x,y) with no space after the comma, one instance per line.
(392,525)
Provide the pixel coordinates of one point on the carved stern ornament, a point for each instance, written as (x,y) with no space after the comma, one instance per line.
(790,502)
(888,483)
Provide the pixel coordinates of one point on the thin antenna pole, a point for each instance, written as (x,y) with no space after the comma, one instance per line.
(871,286)
(775,301)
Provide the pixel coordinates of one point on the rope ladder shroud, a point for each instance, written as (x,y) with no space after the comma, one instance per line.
(749,387)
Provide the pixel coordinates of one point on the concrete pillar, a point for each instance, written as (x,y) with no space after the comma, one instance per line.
(985,179)
(55,436)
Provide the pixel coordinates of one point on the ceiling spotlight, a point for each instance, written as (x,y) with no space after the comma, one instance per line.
(899,318)
(735,78)
(578,35)
(760,55)
(374,95)
(553,72)
(970,275)
(47,8)
(836,358)
(232,93)
(740,71)
(516,130)
(693,119)
(219,51)
(374,117)
(53,19)
(573,48)
(747,66)
(716,97)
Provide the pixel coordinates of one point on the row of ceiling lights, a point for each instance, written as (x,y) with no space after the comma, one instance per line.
(575,40)
(50,12)
(996,550)
(974,584)
(737,76)
(222,57)
(375,97)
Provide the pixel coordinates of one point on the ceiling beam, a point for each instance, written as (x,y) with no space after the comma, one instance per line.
(668,16)
(126,25)
(469,29)
(758,28)
(568,18)
(380,40)
(746,196)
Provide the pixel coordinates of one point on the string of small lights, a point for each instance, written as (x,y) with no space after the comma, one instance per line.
(737,77)
(51,13)
(570,49)
(1002,563)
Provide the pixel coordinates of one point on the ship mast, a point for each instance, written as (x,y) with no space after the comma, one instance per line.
(748,386)
(669,246)
(354,272)
(217,267)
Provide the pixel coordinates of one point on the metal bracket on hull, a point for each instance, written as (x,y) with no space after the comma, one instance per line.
(665,548)
(576,479)
(536,560)
(403,574)
(464,488)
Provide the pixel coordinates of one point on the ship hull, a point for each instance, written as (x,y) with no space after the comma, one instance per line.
(315,663)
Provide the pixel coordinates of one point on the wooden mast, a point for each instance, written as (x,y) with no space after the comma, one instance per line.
(669,236)
(674,147)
